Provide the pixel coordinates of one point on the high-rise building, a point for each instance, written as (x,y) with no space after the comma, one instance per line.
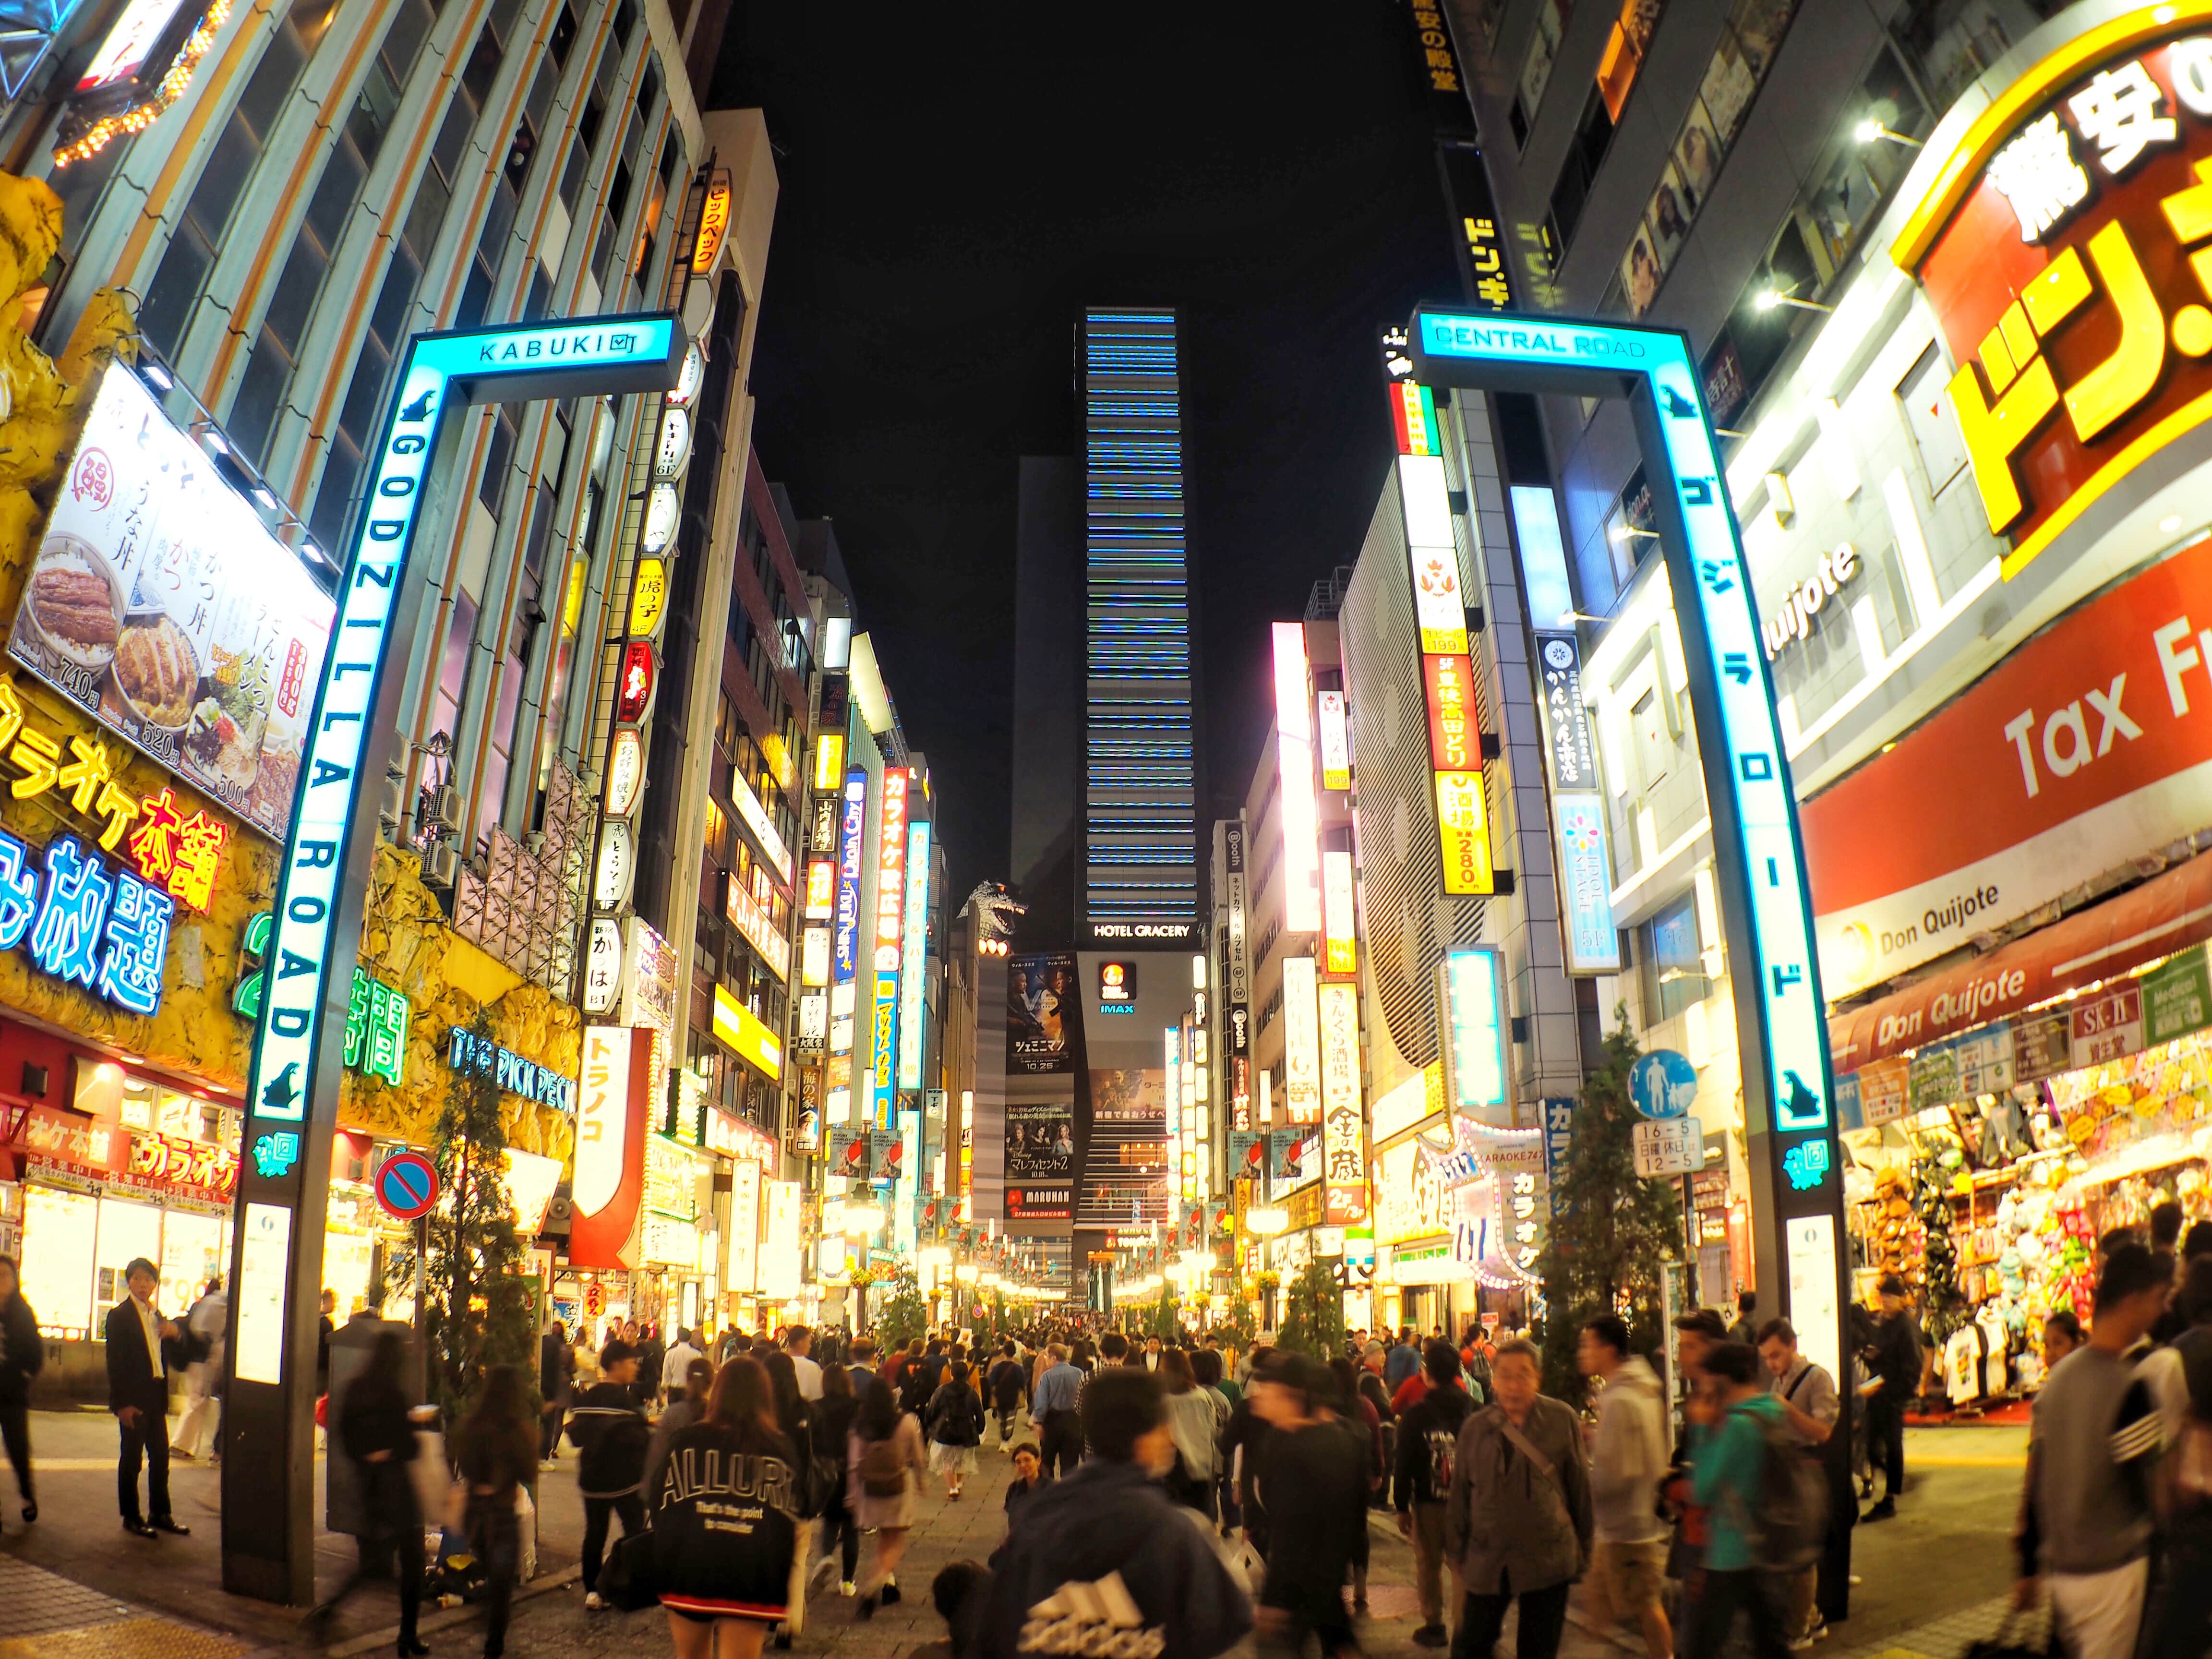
(1139,762)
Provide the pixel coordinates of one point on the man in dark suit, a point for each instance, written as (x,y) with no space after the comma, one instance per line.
(142,1348)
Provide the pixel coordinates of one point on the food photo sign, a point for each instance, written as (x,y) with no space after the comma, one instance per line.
(159,601)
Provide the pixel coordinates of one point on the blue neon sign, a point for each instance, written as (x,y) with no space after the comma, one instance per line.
(318,880)
(1755,812)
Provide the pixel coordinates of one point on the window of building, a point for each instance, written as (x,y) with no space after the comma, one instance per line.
(1671,962)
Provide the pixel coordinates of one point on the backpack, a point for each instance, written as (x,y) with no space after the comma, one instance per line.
(1444,1458)
(883,1470)
(1790,1526)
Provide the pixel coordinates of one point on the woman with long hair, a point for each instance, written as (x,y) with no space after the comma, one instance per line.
(375,1427)
(1196,1416)
(955,1417)
(725,1522)
(496,1455)
(884,1466)
(1359,1414)
(833,1424)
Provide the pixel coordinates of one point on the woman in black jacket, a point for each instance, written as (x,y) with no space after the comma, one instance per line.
(954,1421)
(725,1522)
(833,1423)
(375,1424)
(21,1355)
(498,1456)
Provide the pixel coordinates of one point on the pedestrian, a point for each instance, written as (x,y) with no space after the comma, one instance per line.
(1895,1361)
(884,1464)
(1151,1357)
(1517,1518)
(1428,1445)
(799,1343)
(142,1349)
(1628,1456)
(961,1593)
(495,1458)
(860,1359)
(651,1352)
(955,1419)
(325,1324)
(1810,1406)
(610,1434)
(2062,1335)
(2185,1628)
(1053,1411)
(556,1380)
(22,1355)
(375,1427)
(206,1327)
(1402,1363)
(1028,1475)
(1357,1414)
(2093,1447)
(1196,1416)
(676,1365)
(1697,1334)
(687,1408)
(1242,1439)
(1110,1525)
(1729,1483)
(833,1431)
(724,1584)
(1745,1330)
(1006,1381)
(584,1365)
(1312,1483)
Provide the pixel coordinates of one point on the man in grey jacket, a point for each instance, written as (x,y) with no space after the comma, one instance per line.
(1518,1518)
(1628,1458)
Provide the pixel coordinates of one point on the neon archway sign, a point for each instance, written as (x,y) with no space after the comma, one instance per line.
(1758,859)
(298,1047)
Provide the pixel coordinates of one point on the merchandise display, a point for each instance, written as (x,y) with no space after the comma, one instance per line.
(1990,1204)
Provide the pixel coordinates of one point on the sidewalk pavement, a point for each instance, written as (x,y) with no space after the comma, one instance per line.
(1934,1578)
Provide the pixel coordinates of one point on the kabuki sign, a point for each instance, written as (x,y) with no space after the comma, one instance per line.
(350,738)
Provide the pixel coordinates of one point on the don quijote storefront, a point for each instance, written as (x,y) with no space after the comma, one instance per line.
(160,646)
(2011,898)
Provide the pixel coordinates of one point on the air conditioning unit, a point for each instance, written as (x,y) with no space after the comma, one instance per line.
(442,864)
(391,802)
(446,807)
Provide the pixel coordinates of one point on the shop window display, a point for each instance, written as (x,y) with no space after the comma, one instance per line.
(1990,1201)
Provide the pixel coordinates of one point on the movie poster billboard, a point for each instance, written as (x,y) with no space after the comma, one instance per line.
(1041,998)
(1041,1141)
(161,604)
(1125,1169)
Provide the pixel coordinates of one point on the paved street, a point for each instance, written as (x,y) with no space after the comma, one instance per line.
(75,1587)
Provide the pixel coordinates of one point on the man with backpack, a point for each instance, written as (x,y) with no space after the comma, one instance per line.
(1743,1480)
(1428,1445)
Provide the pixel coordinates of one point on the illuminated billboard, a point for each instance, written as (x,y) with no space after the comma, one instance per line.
(1474,1012)
(1344,1121)
(1296,805)
(1339,932)
(914,951)
(1300,1041)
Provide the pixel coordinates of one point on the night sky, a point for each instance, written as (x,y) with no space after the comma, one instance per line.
(956,183)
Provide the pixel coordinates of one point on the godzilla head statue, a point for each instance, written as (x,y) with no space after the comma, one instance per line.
(996,909)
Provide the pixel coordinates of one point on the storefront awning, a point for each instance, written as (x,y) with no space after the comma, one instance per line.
(2155,920)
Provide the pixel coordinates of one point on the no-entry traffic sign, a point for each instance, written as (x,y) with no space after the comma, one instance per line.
(407,1185)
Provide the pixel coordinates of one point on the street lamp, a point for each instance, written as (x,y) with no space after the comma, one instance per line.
(861,1219)
(1267,1223)
(1769,299)
(1870,130)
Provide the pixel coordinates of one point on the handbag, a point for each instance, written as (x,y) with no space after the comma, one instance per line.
(627,1580)
(2005,1645)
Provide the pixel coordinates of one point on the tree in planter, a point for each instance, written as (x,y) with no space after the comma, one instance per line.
(1165,1317)
(477,1309)
(1313,1314)
(1612,1231)
(903,1314)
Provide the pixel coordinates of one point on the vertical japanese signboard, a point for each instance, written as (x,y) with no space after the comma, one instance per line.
(1578,820)
(1344,1118)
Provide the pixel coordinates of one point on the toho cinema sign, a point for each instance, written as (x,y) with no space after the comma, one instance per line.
(300,1038)
(1758,854)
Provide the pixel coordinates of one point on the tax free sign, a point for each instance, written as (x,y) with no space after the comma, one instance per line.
(1758,855)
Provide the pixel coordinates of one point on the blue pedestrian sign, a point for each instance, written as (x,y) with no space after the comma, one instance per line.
(1662,1084)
